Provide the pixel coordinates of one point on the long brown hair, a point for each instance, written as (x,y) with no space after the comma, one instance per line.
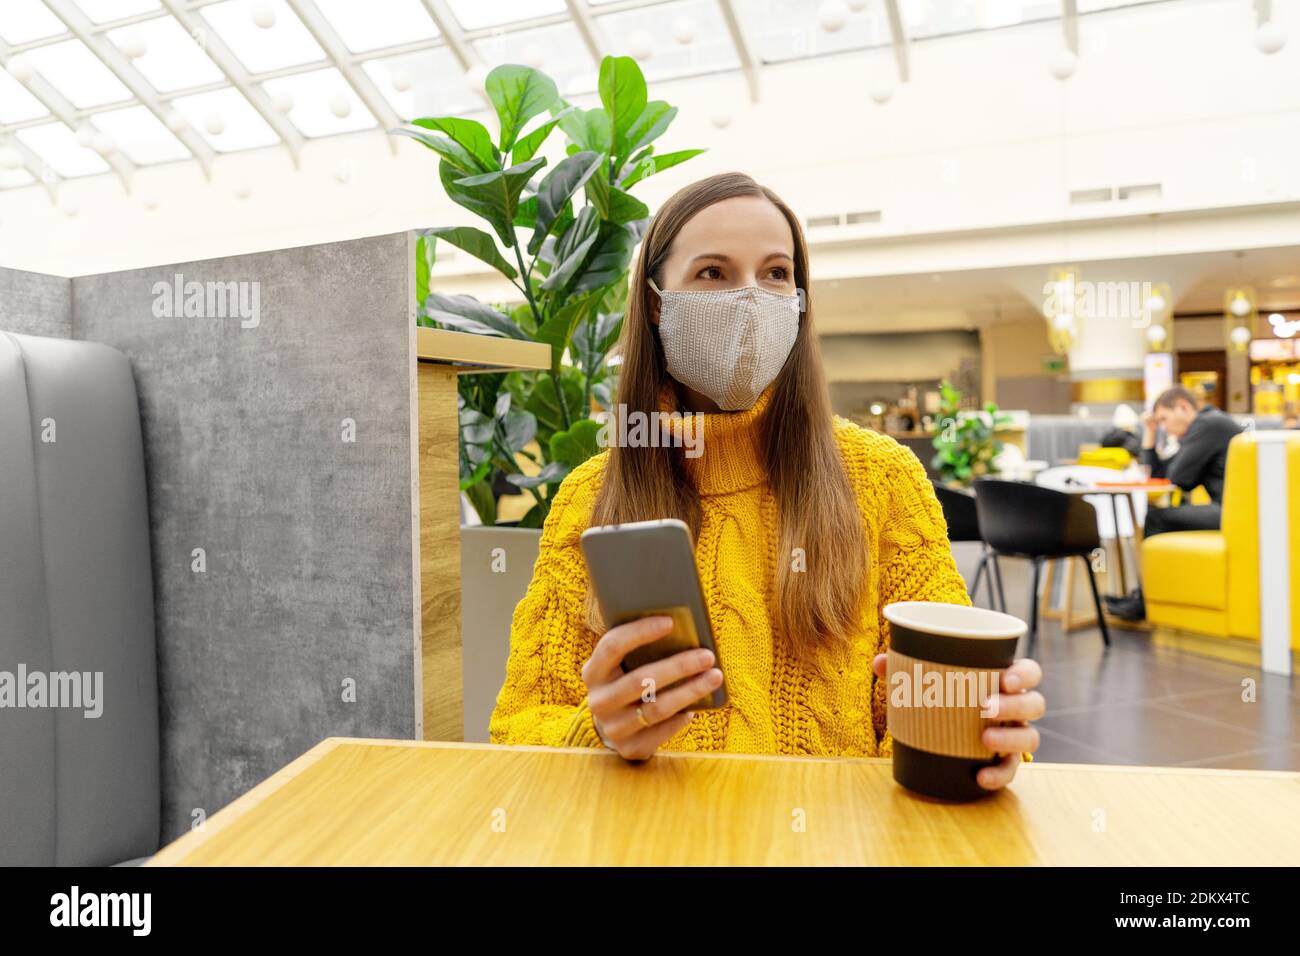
(816,506)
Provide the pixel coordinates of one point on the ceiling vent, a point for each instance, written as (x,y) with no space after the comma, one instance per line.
(1143,191)
(1080,196)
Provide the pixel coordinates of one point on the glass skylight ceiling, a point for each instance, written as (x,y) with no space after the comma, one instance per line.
(113,85)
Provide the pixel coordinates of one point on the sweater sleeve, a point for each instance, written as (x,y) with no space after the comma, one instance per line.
(916,563)
(543,699)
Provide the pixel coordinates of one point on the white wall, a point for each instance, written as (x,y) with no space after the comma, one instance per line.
(981,139)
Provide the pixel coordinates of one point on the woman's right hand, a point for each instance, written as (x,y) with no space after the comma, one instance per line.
(614,697)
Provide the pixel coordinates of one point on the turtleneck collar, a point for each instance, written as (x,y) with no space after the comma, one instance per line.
(730,443)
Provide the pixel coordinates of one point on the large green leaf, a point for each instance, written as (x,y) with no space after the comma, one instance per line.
(466,313)
(647,165)
(592,340)
(457,156)
(625,208)
(477,243)
(589,129)
(623,94)
(425,255)
(551,471)
(572,249)
(608,261)
(597,193)
(494,195)
(530,143)
(518,429)
(557,331)
(536,516)
(470,134)
(480,496)
(577,444)
(544,403)
(556,190)
(649,126)
(519,93)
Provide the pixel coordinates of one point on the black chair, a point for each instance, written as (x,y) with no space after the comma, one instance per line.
(964,525)
(1021,520)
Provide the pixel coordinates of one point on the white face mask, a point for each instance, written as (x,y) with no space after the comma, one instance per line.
(729,345)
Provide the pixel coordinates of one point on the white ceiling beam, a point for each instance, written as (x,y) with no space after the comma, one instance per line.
(338,52)
(39,168)
(1070,24)
(240,78)
(580,13)
(451,33)
(898,34)
(120,64)
(61,109)
(749,62)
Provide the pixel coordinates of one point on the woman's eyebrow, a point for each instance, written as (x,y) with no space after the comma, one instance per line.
(778,255)
(711,255)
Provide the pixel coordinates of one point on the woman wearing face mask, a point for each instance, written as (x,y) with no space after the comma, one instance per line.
(805,526)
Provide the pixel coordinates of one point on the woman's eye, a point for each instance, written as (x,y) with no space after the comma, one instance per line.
(779,273)
(710,272)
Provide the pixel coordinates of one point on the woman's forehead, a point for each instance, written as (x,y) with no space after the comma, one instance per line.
(740,223)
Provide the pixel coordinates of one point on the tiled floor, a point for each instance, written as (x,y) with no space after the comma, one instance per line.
(1139,704)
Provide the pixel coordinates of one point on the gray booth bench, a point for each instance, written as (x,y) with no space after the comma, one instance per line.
(76,595)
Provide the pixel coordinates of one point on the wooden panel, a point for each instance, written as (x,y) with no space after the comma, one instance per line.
(480,353)
(440,650)
(408,803)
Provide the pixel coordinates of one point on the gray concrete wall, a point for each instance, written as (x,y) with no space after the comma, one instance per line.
(307,538)
(35,304)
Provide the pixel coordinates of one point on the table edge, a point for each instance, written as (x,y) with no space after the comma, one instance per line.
(182,846)
(191,840)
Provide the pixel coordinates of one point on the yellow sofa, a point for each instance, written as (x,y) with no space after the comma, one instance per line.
(1207,582)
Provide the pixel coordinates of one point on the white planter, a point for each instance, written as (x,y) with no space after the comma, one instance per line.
(496,564)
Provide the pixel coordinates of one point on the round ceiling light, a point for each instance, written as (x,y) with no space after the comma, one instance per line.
(832,15)
(263,14)
(214,124)
(20,69)
(134,46)
(340,106)
(1270,37)
(684,30)
(1063,64)
(641,45)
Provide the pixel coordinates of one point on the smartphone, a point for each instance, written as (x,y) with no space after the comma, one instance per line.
(647,568)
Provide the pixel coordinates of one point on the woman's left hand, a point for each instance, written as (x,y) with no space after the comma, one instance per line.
(1017,704)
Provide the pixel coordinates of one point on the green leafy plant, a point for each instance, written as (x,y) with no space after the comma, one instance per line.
(564,237)
(964,441)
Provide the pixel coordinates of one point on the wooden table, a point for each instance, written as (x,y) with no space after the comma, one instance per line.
(357,802)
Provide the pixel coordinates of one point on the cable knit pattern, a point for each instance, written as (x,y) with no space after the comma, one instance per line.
(829,705)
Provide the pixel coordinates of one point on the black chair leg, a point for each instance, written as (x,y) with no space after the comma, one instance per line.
(979,573)
(988,581)
(1096,599)
(1033,603)
(997,572)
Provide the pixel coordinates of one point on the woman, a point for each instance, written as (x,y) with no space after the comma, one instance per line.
(805,526)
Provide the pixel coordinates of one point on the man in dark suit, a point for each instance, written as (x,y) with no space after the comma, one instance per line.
(1203,435)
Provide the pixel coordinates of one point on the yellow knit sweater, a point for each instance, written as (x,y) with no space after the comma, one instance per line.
(829,705)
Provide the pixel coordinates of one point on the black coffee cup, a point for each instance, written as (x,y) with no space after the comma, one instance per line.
(944,660)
